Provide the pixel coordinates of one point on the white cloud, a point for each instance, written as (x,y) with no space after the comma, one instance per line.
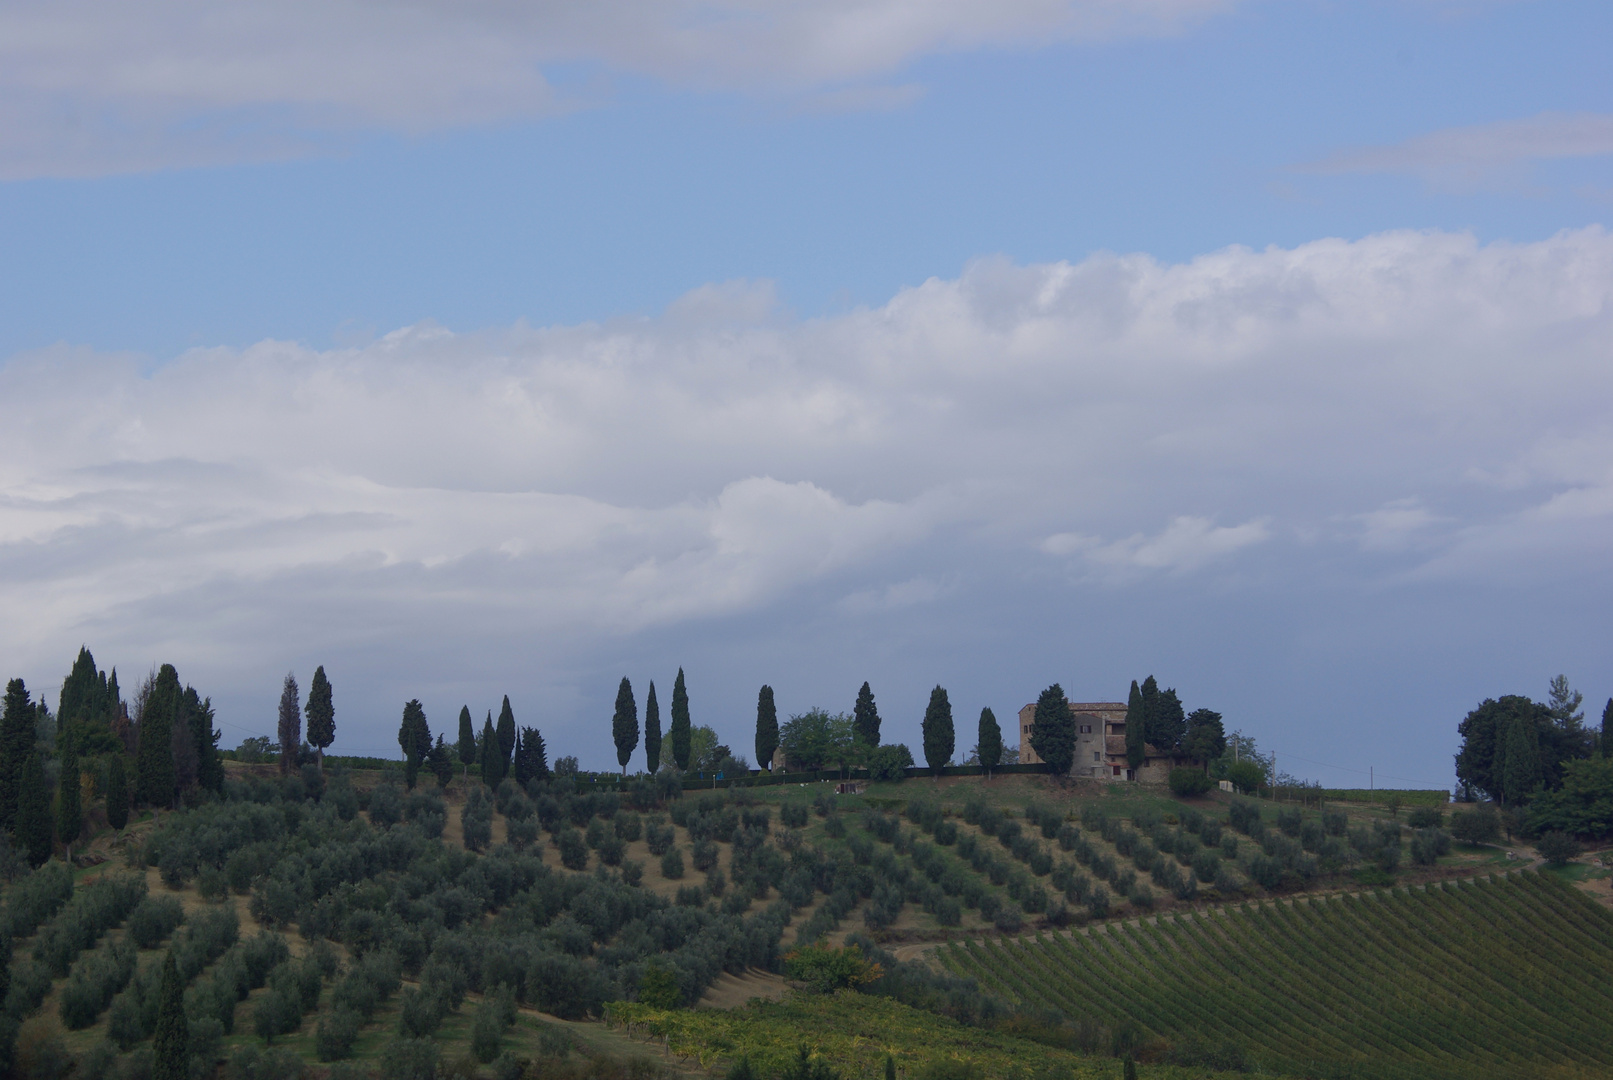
(89,86)
(1464,156)
(572,487)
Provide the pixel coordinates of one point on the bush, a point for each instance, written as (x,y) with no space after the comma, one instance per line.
(1558,848)
(153,919)
(1427,845)
(573,850)
(1189,783)
(1290,821)
(632,871)
(794,814)
(1426,817)
(672,865)
(409,1059)
(1480,825)
(333,1038)
(660,838)
(890,762)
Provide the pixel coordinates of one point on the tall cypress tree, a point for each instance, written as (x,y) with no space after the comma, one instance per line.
(990,745)
(320,712)
(1607,729)
(16,743)
(537,755)
(506,735)
(209,766)
(1136,723)
(170,1044)
(939,737)
(467,739)
(69,807)
(492,760)
(290,726)
(624,723)
(33,830)
(680,724)
(766,728)
(414,736)
(154,758)
(652,732)
(1053,730)
(117,793)
(865,718)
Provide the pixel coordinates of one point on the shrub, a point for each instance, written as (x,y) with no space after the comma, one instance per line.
(1290,821)
(1426,817)
(1189,783)
(672,865)
(629,825)
(890,762)
(386,805)
(1480,825)
(1009,920)
(94,981)
(1427,845)
(794,814)
(409,1059)
(573,850)
(632,871)
(478,830)
(1558,848)
(153,919)
(660,837)
(333,1038)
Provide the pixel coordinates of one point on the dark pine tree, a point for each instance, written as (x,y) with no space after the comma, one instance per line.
(154,758)
(1147,705)
(117,793)
(69,805)
(491,758)
(680,731)
(990,745)
(320,713)
(467,739)
(865,718)
(535,756)
(182,741)
(1607,729)
(506,735)
(1053,730)
(290,726)
(170,1043)
(441,762)
(414,736)
(939,737)
(766,728)
(652,732)
(204,736)
(16,743)
(624,723)
(1168,725)
(33,830)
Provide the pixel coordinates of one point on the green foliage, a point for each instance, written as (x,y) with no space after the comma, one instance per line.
(170,1046)
(491,760)
(890,762)
(939,737)
(409,1059)
(815,739)
(767,733)
(652,731)
(289,728)
(16,744)
(624,724)
(1206,737)
(1582,806)
(33,825)
(154,761)
(506,736)
(531,757)
(320,712)
(1246,776)
(441,763)
(672,865)
(1053,730)
(414,737)
(117,792)
(1167,722)
(825,968)
(989,745)
(658,987)
(1137,719)
(865,717)
(467,738)
(1544,746)
(679,730)
(1558,848)
(1189,782)
(69,808)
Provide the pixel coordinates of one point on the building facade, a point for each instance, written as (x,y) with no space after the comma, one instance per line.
(1100,745)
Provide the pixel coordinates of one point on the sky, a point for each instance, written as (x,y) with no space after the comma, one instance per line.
(482,349)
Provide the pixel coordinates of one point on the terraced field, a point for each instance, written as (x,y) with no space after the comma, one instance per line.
(1496,977)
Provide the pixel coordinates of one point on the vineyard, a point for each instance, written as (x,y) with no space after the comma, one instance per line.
(1498,977)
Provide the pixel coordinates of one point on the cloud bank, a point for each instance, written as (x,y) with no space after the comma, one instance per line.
(1406,407)
(92,86)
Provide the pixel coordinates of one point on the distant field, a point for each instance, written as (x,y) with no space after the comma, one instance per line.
(1405,796)
(1504,977)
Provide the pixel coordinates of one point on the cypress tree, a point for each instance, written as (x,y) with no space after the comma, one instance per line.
(1607,728)
(182,744)
(69,807)
(1134,726)
(537,754)
(1521,772)
(766,728)
(209,766)
(16,743)
(990,745)
(624,723)
(652,732)
(117,793)
(865,718)
(441,762)
(290,726)
(414,736)
(154,758)
(320,712)
(467,739)
(83,696)
(506,736)
(170,1044)
(939,738)
(1053,730)
(33,830)
(491,758)
(680,724)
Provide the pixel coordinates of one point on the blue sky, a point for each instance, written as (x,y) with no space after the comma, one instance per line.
(1264,347)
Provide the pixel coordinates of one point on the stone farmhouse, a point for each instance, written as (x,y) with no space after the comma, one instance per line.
(1100,745)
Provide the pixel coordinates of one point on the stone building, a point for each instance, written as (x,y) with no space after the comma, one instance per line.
(1100,745)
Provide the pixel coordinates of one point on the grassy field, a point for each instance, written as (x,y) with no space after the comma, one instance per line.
(1498,977)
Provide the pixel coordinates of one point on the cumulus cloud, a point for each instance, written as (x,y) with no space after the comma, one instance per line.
(1479,153)
(1118,420)
(89,86)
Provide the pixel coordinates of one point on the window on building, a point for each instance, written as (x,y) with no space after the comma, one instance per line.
(1096,756)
